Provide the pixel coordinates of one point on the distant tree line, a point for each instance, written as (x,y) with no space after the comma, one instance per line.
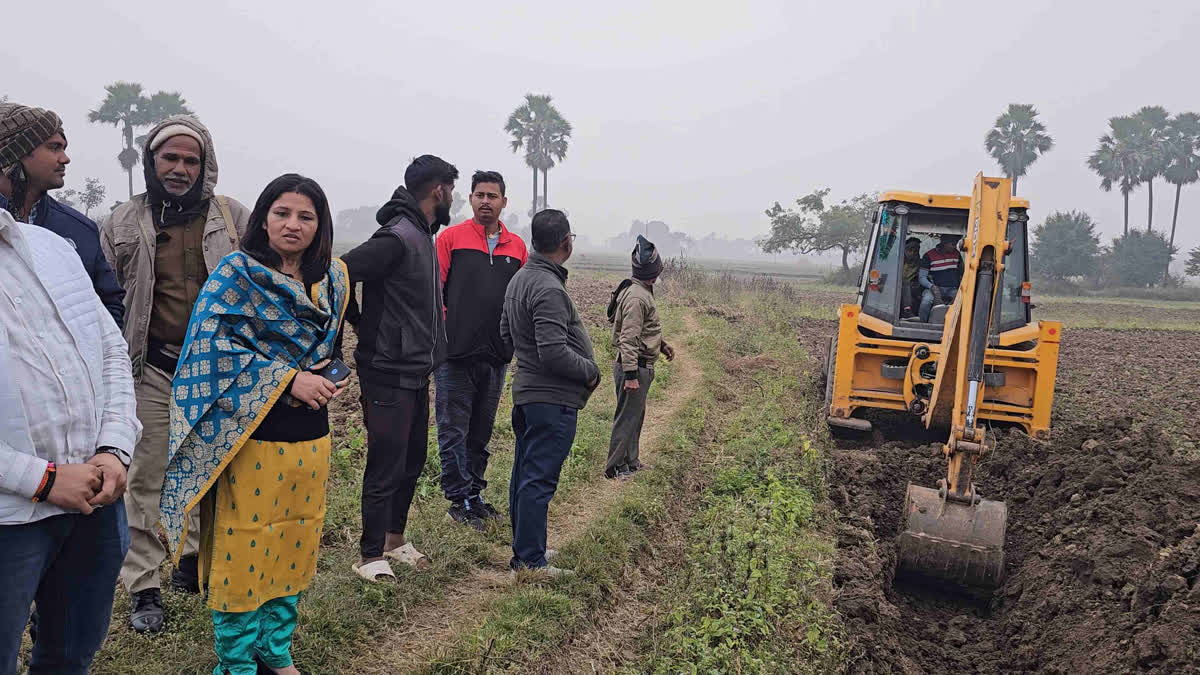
(1139,148)
(1066,247)
(91,196)
(816,226)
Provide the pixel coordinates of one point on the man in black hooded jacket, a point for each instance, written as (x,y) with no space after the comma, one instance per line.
(401,341)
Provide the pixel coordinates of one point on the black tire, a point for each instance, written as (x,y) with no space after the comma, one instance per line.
(894,369)
(830,369)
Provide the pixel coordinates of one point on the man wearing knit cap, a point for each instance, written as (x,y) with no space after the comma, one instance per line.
(163,243)
(637,338)
(33,161)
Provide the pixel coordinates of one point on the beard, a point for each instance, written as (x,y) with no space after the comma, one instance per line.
(441,216)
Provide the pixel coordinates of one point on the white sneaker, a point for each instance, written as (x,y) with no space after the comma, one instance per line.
(409,555)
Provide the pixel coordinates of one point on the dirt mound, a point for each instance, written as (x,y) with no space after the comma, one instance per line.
(1103,555)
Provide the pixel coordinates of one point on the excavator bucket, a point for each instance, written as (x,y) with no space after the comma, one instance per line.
(950,541)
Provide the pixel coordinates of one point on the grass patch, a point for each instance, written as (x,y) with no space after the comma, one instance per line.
(527,621)
(339,613)
(754,593)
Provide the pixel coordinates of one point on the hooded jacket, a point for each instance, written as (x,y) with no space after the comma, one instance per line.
(401,329)
(128,237)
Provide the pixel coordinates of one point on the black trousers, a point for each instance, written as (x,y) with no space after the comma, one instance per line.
(466,394)
(397,422)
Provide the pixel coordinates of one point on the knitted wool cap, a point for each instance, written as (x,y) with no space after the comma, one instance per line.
(646,262)
(22,129)
(170,131)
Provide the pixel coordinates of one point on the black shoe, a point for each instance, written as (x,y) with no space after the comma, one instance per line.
(616,472)
(461,512)
(186,577)
(147,614)
(479,506)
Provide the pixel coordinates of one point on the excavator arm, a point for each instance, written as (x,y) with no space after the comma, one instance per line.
(959,386)
(952,533)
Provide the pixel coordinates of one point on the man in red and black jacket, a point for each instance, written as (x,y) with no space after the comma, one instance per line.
(477,259)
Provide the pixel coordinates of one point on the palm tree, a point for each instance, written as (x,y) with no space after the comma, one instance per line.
(1151,125)
(1183,157)
(1017,140)
(1116,160)
(537,127)
(125,106)
(554,150)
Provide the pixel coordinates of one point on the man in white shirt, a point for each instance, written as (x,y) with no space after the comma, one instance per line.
(68,427)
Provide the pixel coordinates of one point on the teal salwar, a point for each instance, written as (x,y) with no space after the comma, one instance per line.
(265,632)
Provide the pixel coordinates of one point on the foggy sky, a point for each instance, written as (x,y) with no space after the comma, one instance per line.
(699,114)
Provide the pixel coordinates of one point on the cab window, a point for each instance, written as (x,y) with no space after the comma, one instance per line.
(1014,311)
(882,274)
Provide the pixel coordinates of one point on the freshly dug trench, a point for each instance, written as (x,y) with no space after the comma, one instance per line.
(1103,558)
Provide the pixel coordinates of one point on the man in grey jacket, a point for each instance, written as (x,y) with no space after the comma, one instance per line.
(556,373)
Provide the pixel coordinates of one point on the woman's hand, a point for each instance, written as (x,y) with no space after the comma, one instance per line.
(313,390)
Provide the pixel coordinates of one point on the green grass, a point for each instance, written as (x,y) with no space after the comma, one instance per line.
(751,591)
(339,613)
(531,618)
(754,596)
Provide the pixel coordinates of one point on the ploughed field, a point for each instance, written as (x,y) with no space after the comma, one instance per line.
(1103,544)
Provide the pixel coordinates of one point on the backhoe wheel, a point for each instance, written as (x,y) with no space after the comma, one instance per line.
(894,369)
(830,369)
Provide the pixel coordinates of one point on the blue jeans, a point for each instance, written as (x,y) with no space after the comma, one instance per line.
(544,434)
(927,300)
(68,566)
(466,394)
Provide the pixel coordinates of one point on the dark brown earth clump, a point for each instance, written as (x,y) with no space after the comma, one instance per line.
(1103,556)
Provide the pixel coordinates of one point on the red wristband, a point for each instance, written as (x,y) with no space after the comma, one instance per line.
(47,483)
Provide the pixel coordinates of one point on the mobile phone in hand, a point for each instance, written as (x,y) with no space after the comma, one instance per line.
(335,371)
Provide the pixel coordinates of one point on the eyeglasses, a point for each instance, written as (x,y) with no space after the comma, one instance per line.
(572,235)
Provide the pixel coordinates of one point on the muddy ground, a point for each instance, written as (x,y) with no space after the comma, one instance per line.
(1103,548)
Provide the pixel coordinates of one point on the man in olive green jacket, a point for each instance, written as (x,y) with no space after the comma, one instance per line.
(162,244)
(637,338)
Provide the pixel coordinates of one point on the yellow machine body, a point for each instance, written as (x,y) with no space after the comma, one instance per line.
(977,360)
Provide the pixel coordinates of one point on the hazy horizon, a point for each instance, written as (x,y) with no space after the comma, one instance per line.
(700,117)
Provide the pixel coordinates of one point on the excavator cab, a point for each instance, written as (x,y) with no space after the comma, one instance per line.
(974,359)
(889,288)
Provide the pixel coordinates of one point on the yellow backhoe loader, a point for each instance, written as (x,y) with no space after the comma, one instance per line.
(959,364)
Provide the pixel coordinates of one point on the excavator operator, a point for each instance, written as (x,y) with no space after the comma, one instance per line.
(940,273)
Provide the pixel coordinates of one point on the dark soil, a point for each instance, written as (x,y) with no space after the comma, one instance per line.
(1103,544)
(1103,553)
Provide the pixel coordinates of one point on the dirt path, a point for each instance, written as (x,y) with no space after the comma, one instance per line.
(431,629)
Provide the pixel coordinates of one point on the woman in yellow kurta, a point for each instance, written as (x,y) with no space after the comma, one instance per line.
(249,424)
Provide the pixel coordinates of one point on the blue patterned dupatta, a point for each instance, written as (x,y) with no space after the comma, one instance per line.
(252,329)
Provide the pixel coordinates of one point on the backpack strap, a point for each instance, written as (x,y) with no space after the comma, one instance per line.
(227,216)
(612,302)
